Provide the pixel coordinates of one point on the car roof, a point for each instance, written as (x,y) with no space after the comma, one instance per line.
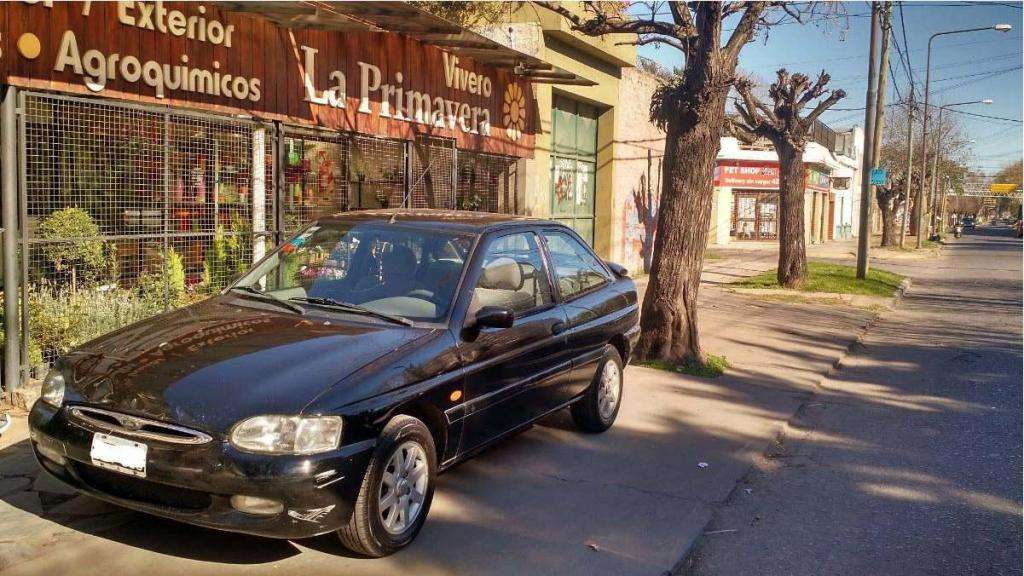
(456,220)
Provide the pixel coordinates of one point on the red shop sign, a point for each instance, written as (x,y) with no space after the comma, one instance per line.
(747,175)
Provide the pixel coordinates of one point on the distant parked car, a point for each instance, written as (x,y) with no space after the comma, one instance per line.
(326,388)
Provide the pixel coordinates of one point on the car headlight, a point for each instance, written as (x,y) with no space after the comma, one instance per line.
(52,391)
(287,434)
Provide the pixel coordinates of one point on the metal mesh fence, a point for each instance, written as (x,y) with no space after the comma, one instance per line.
(129,211)
(433,168)
(486,182)
(375,175)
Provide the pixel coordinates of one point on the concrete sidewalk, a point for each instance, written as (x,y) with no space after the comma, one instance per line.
(908,460)
(550,501)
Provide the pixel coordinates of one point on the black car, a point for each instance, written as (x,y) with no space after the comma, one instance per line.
(968,223)
(325,389)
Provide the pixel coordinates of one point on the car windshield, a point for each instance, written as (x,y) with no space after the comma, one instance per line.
(375,269)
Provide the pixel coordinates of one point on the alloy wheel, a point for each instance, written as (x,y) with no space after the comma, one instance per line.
(403,488)
(609,389)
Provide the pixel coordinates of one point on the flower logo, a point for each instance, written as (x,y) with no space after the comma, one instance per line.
(514,111)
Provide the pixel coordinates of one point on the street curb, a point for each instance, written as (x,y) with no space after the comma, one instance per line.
(680,568)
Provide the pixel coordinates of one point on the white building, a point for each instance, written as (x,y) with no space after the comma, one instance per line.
(747,189)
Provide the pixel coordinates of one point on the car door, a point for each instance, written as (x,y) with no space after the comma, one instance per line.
(582,283)
(511,374)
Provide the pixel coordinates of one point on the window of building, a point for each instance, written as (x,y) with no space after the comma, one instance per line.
(573,165)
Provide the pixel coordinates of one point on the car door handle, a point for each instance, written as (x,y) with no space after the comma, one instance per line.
(558,327)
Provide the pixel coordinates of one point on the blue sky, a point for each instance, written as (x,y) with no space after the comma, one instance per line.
(970,66)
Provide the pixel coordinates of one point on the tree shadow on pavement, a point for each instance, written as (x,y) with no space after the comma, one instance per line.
(552,500)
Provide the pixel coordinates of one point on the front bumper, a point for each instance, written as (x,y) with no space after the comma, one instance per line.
(194,484)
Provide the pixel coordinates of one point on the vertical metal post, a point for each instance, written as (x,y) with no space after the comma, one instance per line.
(25,253)
(167,211)
(407,162)
(864,240)
(935,175)
(919,203)
(455,178)
(279,183)
(910,168)
(8,166)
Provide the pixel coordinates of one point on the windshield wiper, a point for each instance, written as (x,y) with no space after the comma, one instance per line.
(348,307)
(258,294)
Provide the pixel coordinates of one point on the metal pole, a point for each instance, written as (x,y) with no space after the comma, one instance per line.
(919,207)
(935,174)
(26,253)
(910,168)
(167,211)
(863,241)
(9,167)
(919,202)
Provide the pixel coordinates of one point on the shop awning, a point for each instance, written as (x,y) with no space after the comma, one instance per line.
(407,19)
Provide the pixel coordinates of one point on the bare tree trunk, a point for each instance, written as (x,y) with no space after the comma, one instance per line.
(668,322)
(792,271)
(887,209)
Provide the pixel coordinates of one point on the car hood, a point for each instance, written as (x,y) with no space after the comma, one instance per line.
(215,363)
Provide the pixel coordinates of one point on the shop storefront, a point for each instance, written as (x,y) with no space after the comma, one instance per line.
(754,192)
(163,147)
(818,186)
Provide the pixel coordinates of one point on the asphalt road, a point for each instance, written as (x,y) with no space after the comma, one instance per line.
(909,460)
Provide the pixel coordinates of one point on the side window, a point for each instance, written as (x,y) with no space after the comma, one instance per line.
(513,276)
(576,268)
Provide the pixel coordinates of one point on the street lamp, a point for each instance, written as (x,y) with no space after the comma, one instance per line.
(918,207)
(935,163)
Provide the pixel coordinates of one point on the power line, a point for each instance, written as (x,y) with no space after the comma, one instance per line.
(946,79)
(1001,39)
(906,46)
(1018,120)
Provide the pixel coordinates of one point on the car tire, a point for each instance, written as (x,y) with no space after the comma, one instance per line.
(596,411)
(376,528)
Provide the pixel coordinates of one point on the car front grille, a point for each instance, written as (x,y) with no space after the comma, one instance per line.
(138,427)
(144,491)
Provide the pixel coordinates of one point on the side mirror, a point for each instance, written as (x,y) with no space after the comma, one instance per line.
(494,317)
(618,269)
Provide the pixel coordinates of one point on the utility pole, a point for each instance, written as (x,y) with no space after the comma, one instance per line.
(933,226)
(883,65)
(868,162)
(910,166)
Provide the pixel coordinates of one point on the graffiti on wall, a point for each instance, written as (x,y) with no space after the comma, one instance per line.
(640,219)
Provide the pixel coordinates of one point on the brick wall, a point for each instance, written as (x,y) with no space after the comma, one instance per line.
(638,151)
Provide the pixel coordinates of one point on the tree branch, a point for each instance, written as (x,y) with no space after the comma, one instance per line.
(739,131)
(601,23)
(745,29)
(825,104)
(745,88)
(656,40)
(816,91)
(681,14)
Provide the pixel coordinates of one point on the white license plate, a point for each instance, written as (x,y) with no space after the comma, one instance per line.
(120,454)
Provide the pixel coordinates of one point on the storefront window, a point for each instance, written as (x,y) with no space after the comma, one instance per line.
(755,215)
(573,165)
